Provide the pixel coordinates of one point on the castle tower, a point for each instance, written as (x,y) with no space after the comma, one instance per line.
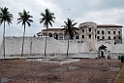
(88,35)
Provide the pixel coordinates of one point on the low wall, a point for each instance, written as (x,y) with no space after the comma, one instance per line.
(85,55)
(115,55)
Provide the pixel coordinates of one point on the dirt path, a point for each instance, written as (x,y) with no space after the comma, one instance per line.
(84,71)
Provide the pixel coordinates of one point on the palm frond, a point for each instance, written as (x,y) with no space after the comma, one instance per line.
(28,24)
(5,15)
(24,17)
(47,18)
(69,27)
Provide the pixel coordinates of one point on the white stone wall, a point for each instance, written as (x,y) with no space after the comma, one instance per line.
(35,46)
(115,50)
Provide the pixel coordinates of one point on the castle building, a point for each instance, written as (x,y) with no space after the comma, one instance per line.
(95,36)
(88,31)
(90,41)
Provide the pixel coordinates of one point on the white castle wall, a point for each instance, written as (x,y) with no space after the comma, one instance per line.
(35,46)
(115,50)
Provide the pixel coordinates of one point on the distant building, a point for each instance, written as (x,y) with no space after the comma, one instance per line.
(88,31)
(91,41)
(98,38)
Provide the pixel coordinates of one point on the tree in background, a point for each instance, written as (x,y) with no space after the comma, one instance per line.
(47,19)
(69,30)
(5,16)
(25,18)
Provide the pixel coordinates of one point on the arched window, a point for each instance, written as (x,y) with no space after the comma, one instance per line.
(119,32)
(108,32)
(98,37)
(60,36)
(89,29)
(82,36)
(114,37)
(102,32)
(50,34)
(77,36)
(98,32)
(114,32)
(103,37)
(109,37)
(89,35)
(83,30)
(55,35)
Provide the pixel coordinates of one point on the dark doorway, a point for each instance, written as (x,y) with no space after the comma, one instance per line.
(102,54)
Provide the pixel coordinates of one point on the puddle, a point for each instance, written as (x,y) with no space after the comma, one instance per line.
(103,64)
(107,64)
(35,59)
(56,61)
(64,68)
(3,80)
(114,69)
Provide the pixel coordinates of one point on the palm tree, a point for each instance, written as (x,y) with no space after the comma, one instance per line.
(47,19)
(24,17)
(69,30)
(5,16)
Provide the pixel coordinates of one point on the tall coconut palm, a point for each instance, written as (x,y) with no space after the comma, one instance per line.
(69,30)
(25,18)
(5,16)
(47,19)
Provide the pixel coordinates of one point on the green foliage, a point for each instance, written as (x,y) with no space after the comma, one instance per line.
(5,16)
(69,30)
(25,18)
(69,27)
(47,18)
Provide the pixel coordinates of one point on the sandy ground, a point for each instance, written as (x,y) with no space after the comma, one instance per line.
(84,71)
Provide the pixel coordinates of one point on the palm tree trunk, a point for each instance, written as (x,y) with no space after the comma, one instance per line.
(4,40)
(45,45)
(23,41)
(31,47)
(45,48)
(68,46)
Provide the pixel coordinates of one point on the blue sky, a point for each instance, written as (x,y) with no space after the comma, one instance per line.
(99,11)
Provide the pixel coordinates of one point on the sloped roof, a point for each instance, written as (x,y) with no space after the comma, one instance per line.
(98,26)
(55,29)
(52,29)
(109,26)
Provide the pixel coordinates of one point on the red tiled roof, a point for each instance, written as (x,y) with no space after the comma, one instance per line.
(109,26)
(98,26)
(54,29)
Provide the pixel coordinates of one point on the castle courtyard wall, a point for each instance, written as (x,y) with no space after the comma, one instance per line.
(35,46)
